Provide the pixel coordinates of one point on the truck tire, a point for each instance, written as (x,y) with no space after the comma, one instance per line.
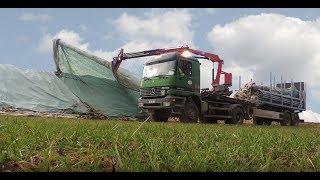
(286,120)
(211,120)
(237,116)
(267,121)
(294,119)
(257,121)
(159,115)
(190,113)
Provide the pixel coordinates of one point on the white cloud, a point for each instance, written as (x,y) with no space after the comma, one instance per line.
(271,42)
(68,36)
(171,28)
(246,73)
(35,17)
(310,116)
(107,55)
(158,28)
(155,29)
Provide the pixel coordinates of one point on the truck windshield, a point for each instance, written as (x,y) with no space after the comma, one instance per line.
(159,69)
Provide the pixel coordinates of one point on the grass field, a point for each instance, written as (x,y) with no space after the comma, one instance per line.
(56,144)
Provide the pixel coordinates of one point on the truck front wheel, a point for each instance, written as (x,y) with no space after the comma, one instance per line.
(159,115)
(190,113)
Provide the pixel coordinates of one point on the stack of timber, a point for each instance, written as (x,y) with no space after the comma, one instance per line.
(289,95)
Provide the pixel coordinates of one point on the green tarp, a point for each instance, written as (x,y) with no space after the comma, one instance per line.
(82,83)
(36,91)
(91,79)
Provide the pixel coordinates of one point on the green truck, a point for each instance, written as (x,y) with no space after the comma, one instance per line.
(170,87)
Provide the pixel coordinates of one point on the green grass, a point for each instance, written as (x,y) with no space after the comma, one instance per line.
(57,144)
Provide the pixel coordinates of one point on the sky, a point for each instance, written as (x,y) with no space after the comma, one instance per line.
(252,42)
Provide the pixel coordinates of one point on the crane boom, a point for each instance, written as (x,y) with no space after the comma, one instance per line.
(206,55)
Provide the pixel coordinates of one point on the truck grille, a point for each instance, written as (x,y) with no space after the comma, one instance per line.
(150,92)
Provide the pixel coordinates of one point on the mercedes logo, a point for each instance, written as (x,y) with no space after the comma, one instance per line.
(152,91)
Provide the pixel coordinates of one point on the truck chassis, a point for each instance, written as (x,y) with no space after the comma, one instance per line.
(212,107)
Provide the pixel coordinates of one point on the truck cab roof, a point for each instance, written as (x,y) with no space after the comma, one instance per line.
(169,57)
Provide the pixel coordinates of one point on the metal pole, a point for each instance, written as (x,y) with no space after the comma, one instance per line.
(281,86)
(213,73)
(300,94)
(305,95)
(291,91)
(274,82)
(270,80)
(270,87)
(239,82)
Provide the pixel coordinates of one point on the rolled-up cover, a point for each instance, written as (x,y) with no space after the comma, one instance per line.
(91,79)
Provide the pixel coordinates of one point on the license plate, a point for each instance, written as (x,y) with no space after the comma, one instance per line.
(152,101)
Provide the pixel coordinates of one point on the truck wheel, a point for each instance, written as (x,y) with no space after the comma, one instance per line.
(237,116)
(190,113)
(295,119)
(257,121)
(267,121)
(159,115)
(211,120)
(286,120)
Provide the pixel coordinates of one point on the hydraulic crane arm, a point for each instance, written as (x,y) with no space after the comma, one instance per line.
(205,55)
(123,56)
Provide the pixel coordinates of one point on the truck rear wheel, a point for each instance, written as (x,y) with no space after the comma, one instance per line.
(286,120)
(211,120)
(237,116)
(159,115)
(267,121)
(294,119)
(190,113)
(257,121)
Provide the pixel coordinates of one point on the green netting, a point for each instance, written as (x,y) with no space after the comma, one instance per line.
(91,79)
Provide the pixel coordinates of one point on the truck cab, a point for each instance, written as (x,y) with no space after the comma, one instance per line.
(169,83)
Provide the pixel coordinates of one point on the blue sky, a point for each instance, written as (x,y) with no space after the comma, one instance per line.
(20,38)
(247,39)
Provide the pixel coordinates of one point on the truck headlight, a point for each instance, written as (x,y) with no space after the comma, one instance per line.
(163,92)
(166,103)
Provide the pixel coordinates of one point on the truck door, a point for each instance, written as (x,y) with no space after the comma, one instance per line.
(185,79)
